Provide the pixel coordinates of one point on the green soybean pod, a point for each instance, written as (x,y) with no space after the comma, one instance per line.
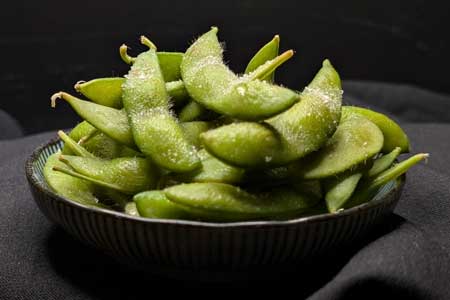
(104,91)
(113,122)
(383,163)
(191,112)
(212,170)
(131,209)
(211,83)
(108,91)
(230,203)
(394,136)
(83,129)
(169,61)
(302,129)
(355,141)
(369,187)
(192,131)
(128,175)
(72,146)
(268,52)
(155,205)
(155,130)
(170,65)
(67,186)
(98,144)
(340,189)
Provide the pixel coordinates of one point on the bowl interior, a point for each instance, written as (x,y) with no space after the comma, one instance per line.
(35,166)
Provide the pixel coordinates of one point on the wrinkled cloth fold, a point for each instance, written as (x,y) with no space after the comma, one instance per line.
(408,257)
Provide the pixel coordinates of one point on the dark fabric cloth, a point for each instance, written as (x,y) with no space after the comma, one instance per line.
(9,127)
(408,257)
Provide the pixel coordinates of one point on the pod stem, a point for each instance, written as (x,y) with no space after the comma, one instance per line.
(74,173)
(78,84)
(87,137)
(61,95)
(55,97)
(263,71)
(74,146)
(123,51)
(147,42)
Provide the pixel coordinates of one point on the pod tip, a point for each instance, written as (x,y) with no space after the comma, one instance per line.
(276,38)
(214,29)
(55,97)
(78,84)
(289,53)
(326,63)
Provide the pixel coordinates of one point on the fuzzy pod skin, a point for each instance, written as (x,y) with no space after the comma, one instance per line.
(231,203)
(383,163)
(191,112)
(340,189)
(113,122)
(211,83)
(99,144)
(212,170)
(300,130)
(155,205)
(369,187)
(128,175)
(193,130)
(155,130)
(355,141)
(267,52)
(67,186)
(108,91)
(394,136)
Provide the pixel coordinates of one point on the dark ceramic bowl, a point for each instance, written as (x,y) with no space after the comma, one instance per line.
(212,250)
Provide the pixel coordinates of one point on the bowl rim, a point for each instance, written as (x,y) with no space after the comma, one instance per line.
(119,215)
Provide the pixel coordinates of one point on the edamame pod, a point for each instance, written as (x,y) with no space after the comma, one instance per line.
(232,203)
(169,61)
(83,129)
(369,188)
(104,91)
(394,136)
(108,91)
(67,186)
(300,130)
(131,209)
(128,175)
(191,112)
(340,189)
(192,131)
(268,52)
(383,163)
(113,122)
(73,146)
(155,130)
(356,140)
(155,205)
(99,145)
(211,83)
(212,170)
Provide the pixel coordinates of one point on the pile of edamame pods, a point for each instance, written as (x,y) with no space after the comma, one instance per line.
(181,136)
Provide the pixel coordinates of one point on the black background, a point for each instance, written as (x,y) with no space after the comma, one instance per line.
(47,46)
